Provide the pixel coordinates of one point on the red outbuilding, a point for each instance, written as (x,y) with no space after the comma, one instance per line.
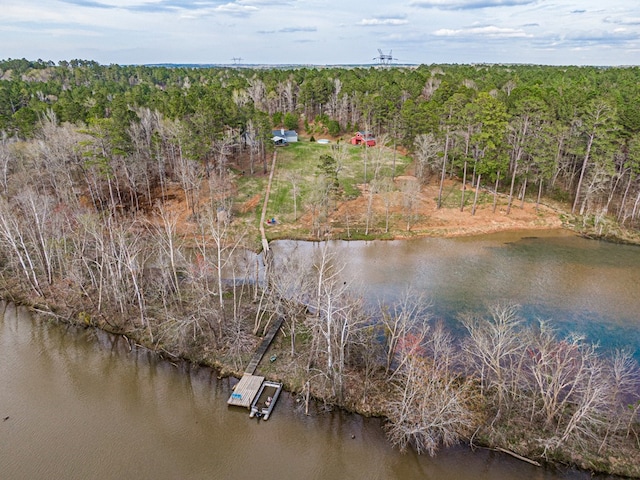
(361,138)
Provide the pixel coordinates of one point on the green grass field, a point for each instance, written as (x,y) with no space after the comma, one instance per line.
(298,164)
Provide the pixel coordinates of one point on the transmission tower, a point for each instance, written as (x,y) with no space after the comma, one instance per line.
(383,58)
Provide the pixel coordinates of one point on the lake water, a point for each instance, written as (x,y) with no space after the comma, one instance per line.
(82,404)
(579,285)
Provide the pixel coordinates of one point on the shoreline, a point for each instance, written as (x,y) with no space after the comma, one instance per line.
(227,371)
(551,220)
(139,335)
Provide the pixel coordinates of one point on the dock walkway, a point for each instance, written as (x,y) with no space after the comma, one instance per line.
(247,388)
(264,346)
(249,385)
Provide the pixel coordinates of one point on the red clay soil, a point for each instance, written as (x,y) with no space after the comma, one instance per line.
(428,219)
(448,221)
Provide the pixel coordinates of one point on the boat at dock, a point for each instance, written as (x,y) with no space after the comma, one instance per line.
(253,391)
(265,400)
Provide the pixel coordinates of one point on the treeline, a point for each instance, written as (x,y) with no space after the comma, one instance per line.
(570,132)
(90,154)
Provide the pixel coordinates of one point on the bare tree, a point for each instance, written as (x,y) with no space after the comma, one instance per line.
(257,92)
(15,243)
(385,188)
(410,197)
(37,212)
(319,202)
(372,191)
(169,246)
(427,150)
(288,289)
(190,176)
(218,247)
(338,316)
(141,169)
(120,258)
(573,387)
(406,327)
(222,147)
(443,171)
(6,159)
(431,86)
(57,159)
(430,409)
(495,348)
(598,126)
(251,138)
(518,137)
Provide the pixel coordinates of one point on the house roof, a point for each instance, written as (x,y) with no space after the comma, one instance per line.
(365,134)
(286,133)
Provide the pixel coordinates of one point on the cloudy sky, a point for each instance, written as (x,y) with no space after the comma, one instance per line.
(321,32)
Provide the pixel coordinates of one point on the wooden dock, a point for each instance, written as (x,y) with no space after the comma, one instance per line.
(264,346)
(245,391)
(247,388)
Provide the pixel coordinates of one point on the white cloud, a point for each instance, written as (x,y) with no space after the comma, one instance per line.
(322,31)
(264,3)
(374,22)
(490,31)
(623,21)
(468,4)
(235,9)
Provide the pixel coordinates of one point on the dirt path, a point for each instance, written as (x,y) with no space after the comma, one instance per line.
(263,235)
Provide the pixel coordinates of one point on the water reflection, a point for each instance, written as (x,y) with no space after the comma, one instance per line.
(580,285)
(82,404)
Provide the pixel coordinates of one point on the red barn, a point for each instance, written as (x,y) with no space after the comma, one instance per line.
(361,138)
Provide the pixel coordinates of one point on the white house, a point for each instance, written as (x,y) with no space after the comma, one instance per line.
(284,137)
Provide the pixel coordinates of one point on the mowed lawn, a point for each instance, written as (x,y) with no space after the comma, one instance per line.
(297,169)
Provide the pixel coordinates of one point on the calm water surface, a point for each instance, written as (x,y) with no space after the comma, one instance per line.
(83,405)
(583,286)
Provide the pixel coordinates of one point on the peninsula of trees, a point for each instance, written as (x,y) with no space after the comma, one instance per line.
(93,159)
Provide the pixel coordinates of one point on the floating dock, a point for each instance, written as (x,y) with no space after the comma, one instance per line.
(250,386)
(245,391)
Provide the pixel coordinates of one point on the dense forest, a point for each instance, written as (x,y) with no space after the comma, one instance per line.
(571,132)
(90,154)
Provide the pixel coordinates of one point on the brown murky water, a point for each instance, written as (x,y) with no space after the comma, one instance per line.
(79,404)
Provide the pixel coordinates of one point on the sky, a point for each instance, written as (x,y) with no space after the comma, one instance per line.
(317,32)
